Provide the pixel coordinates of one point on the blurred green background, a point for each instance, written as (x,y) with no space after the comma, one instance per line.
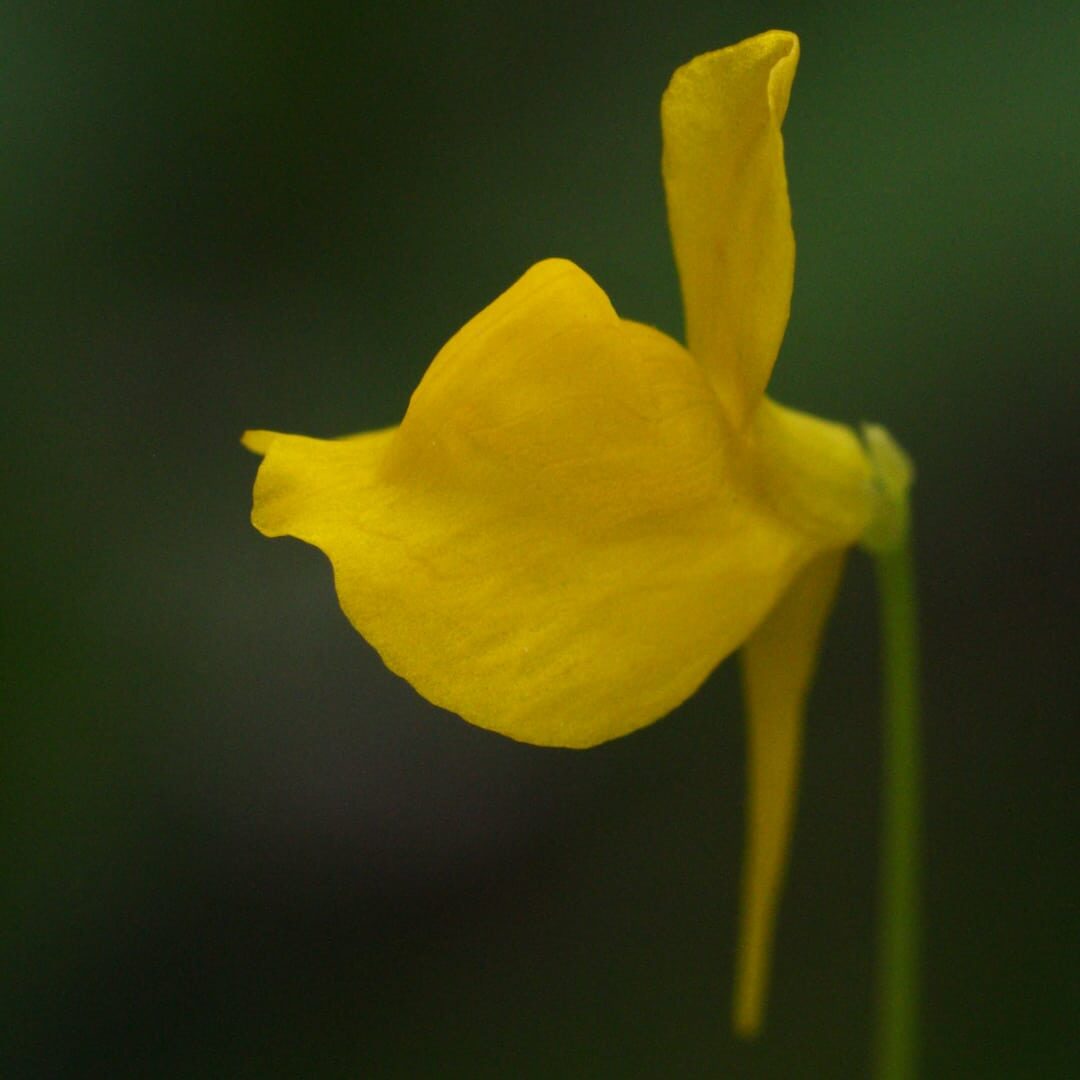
(234,845)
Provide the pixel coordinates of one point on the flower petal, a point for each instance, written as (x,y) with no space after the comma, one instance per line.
(559,542)
(258,441)
(815,473)
(778,664)
(728,209)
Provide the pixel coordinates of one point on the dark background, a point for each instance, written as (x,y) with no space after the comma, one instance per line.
(234,845)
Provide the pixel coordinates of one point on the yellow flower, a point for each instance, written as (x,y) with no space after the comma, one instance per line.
(578,518)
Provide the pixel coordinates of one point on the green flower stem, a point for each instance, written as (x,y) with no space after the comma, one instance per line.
(898,914)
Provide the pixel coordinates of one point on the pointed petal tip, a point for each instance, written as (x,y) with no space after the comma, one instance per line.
(258,441)
(778,667)
(773,49)
(747,1017)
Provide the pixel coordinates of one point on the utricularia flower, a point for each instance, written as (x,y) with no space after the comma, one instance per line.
(579,518)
